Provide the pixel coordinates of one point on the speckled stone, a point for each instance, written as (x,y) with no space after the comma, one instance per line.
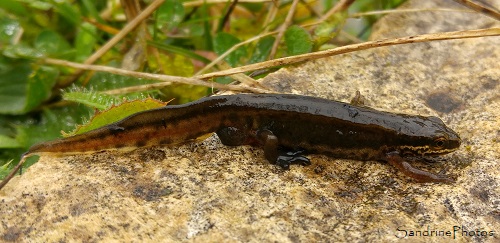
(207,192)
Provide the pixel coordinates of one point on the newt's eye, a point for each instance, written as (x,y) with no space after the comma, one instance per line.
(439,142)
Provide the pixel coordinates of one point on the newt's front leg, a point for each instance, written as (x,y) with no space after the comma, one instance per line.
(419,175)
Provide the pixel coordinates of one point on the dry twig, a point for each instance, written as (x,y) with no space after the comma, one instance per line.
(355,47)
(165,79)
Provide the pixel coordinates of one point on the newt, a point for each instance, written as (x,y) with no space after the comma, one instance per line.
(286,126)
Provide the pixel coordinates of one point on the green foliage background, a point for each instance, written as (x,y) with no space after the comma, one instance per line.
(37,101)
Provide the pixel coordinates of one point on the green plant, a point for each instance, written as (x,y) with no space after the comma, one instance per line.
(181,39)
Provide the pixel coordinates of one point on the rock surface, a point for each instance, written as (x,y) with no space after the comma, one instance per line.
(209,192)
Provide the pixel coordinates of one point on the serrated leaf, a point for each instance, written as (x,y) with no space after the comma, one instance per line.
(101,81)
(297,41)
(91,99)
(117,113)
(222,43)
(262,49)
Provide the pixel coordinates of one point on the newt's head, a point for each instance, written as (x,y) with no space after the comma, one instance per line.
(432,138)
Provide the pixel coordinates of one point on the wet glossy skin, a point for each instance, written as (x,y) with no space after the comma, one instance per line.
(286,126)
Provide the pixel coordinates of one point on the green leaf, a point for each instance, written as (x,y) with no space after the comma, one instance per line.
(13,82)
(85,41)
(15,155)
(68,11)
(91,99)
(4,169)
(91,8)
(325,32)
(52,44)
(47,127)
(178,50)
(39,5)
(188,30)
(224,80)
(177,65)
(13,7)
(262,49)
(8,142)
(22,51)
(222,43)
(297,41)
(40,85)
(9,29)
(23,87)
(101,81)
(205,43)
(117,113)
(51,124)
(169,15)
